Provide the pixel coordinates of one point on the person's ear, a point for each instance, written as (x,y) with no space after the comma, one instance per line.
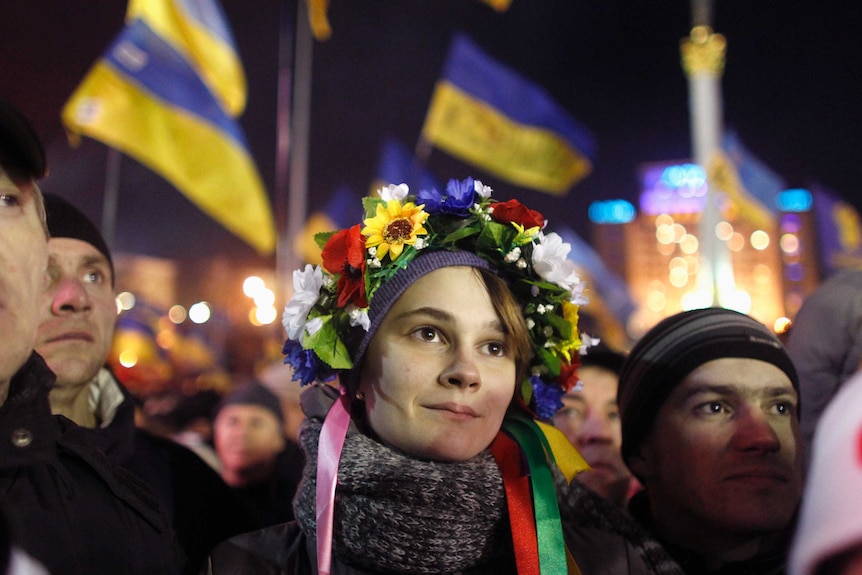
(642,462)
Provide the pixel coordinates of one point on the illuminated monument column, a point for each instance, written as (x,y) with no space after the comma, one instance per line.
(703,61)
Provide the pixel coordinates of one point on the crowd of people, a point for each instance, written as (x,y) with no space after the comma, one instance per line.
(453,417)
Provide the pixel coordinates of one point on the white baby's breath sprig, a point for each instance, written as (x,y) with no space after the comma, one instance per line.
(394,192)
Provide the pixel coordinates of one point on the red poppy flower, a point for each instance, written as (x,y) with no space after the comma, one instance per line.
(344,254)
(513,211)
(569,374)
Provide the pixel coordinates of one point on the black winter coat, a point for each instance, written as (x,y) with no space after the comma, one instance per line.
(204,511)
(67,505)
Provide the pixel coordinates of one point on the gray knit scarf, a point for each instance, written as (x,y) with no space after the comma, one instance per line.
(396,513)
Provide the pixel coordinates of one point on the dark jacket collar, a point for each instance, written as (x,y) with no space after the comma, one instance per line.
(772,562)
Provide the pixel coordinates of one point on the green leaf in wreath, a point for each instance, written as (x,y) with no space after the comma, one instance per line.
(321,238)
(328,346)
(369,204)
(561,324)
(551,361)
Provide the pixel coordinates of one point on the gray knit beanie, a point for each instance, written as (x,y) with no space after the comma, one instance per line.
(389,292)
(675,347)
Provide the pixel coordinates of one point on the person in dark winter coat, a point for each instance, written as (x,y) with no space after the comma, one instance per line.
(708,400)
(451,321)
(13,560)
(66,505)
(75,334)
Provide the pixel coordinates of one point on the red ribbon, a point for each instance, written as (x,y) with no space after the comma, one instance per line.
(520,502)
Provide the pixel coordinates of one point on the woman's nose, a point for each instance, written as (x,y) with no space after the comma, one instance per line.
(462,371)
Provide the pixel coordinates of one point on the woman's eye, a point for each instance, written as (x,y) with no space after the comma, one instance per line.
(497,349)
(427,334)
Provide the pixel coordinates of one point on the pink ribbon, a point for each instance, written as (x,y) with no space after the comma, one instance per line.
(329,447)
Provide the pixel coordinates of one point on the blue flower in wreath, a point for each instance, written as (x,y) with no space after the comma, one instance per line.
(306,367)
(459,198)
(548,398)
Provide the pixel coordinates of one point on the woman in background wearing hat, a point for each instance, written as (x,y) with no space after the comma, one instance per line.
(451,320)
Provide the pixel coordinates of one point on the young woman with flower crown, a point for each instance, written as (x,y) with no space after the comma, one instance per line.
(450,320)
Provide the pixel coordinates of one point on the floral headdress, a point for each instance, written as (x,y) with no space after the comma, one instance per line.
(328,314)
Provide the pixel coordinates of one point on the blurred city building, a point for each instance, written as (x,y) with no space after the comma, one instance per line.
(805,236)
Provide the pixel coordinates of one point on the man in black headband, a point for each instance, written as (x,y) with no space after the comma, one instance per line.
(709,401)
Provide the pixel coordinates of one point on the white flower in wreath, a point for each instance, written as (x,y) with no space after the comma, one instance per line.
(551,262)
(587,342)
(358,317)
(394,192)
(578,297)
(306,285)
(481,189)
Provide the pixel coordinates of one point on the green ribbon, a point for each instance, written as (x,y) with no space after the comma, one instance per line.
(549,530)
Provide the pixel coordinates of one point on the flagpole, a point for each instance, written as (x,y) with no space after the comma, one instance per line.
(111,195)
(294,120)
(282,146)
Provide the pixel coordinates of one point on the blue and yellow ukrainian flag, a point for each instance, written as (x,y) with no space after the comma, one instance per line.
(758,186)
(488,115)
(166,93)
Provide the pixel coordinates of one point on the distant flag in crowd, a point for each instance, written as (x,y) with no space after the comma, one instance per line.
(397,165)
(839,231)
(723,177)
(135,356)
(748,183)
(606,287)
(759,180)
(488,115)
(338,213)
(167,92)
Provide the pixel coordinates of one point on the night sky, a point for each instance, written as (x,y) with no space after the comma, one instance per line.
(791,90)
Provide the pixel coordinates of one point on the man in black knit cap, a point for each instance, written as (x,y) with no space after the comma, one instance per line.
(75,334)
(708,400)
